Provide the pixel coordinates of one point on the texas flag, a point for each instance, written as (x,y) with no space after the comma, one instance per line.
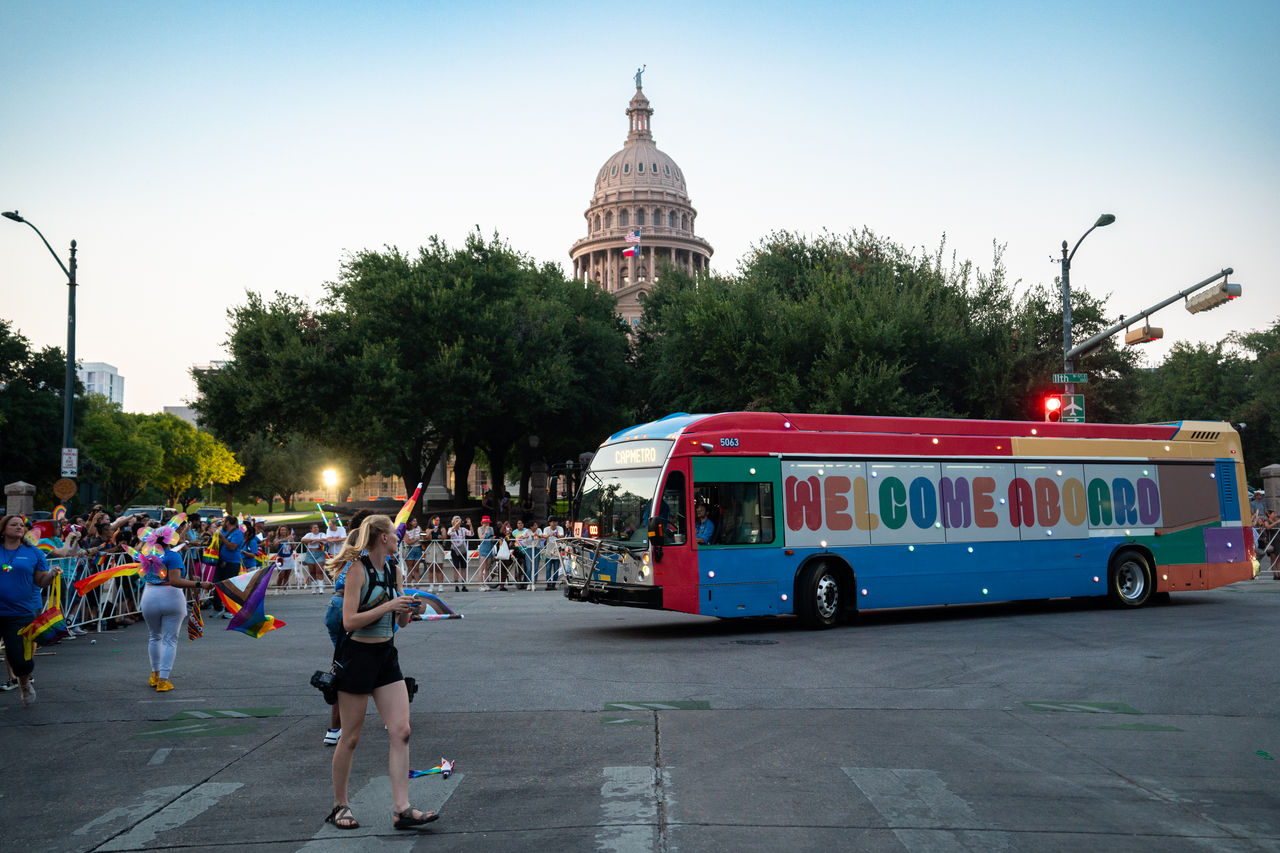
(634,236)
(630,251)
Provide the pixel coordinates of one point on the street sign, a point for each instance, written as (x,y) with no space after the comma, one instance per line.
(1073,408)
(70,461)
(64,488)
(1065,378)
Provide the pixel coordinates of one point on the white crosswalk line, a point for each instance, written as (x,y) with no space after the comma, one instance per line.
(182,810)
(371,806)
(924,814)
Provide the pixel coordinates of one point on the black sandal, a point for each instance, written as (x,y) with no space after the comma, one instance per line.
(337,818)
(407,820)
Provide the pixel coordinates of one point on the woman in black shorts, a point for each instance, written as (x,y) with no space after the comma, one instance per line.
(368,666)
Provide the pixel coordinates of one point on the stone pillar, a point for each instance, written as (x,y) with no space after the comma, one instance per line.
(1270,484)
(19,498)
(653,253)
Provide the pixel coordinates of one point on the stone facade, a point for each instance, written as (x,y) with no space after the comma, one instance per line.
(638,188)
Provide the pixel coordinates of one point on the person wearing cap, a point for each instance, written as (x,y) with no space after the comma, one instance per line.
(487,544)
(1258,504)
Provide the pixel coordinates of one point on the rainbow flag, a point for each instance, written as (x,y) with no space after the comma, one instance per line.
(49,626)
(97,579)
(243,596)
(210,555)
(402,517)
(59,513)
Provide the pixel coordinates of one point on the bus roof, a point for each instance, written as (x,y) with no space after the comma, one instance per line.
(684,424)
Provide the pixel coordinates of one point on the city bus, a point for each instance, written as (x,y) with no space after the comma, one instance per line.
(821,516)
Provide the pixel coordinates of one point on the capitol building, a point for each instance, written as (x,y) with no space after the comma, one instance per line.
(640,218)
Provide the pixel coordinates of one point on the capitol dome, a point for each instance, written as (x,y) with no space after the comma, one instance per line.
(640,218)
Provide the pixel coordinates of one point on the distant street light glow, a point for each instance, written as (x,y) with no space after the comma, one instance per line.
(330,478)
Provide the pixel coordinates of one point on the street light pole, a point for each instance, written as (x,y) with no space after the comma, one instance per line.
(1068,363)
(69,387)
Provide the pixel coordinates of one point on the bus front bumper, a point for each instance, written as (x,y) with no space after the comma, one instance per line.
(616,594)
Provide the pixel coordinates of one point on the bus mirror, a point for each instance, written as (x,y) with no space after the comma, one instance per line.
(656,533)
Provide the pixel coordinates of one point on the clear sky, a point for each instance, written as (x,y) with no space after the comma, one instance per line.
(196,150)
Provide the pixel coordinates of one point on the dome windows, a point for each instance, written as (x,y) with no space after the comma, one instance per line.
(639,167)
(615,169)
(640,216)
(671,219)
(655,168)
(626,168)
(668,168)
(624,219)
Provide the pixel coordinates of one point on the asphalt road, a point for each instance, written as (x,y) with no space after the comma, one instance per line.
(1061,725)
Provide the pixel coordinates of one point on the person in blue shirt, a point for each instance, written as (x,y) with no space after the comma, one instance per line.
(704,528)
(23,573)
(253,544)
(231,541)
(164,606)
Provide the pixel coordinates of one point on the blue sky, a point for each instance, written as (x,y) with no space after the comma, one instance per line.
(199,150)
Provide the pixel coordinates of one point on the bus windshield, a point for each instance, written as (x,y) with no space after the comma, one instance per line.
(617,504)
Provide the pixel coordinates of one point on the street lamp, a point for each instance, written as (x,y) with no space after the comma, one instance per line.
(1067,362)
(68,392)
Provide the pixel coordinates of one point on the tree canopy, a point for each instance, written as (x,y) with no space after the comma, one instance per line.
(31,388)
(858,325)
(411,354)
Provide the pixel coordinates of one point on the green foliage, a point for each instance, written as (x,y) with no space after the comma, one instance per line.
(1235,380)
(130,452)
(31,386)
(410,355)
(859,325)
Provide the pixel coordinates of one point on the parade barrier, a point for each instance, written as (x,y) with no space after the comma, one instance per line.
(119,597)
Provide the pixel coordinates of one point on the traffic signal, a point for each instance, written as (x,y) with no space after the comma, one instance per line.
(1206,300)
(1145,335)
(1053,408)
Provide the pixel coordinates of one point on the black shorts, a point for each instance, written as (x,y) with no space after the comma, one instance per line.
(367,666)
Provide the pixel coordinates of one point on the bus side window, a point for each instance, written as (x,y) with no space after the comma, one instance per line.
(742,512)
(673,509)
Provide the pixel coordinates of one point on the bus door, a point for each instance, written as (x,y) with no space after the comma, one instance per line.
(739,551)
(677,571)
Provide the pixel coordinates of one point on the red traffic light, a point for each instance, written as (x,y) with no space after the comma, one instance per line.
(1053,408)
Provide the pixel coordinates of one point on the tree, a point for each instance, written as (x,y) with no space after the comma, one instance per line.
(31,386)
(190,459)
(411,355)
(856,325)
(125,447)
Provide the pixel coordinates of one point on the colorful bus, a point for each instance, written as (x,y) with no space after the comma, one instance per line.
(824,515)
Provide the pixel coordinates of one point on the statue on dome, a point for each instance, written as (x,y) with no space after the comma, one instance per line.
(639,71)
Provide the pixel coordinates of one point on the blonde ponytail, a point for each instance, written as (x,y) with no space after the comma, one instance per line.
(373,526)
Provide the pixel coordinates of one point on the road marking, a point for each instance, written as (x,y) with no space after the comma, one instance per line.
(179,812)
(195,728)
(671,705)
(159,756)
(371,806)
(234,713)
(629,801)
(149,802)
(924,814)
(624,721)
(1084,707)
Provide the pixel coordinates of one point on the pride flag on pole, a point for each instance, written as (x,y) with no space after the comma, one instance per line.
(402,517)
(244,596)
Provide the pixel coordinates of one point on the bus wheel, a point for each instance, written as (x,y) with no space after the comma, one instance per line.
(1130,580)
(818,596)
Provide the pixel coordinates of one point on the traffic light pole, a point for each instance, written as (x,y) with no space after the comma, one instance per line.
(1097,339)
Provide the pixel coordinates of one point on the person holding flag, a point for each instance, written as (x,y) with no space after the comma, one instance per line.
(367,665)
(23,573)
(164,606)
(231,540)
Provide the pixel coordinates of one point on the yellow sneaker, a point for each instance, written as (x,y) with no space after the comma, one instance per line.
(155,678)
(163,684)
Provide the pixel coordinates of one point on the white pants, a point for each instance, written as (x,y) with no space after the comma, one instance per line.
(165,610)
